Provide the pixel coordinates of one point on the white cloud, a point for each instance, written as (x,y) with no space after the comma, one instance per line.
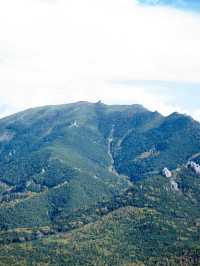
(196,114)
(64,50)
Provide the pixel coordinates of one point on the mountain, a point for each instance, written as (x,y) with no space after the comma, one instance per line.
(82,184)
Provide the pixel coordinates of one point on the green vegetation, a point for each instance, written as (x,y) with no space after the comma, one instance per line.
(128,236)
(81,184)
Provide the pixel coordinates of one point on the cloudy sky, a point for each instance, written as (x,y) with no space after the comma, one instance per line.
(119,51)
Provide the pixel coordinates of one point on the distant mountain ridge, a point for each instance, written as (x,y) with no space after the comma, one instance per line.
(70,166)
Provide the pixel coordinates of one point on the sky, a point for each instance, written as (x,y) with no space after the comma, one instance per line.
(183,4)
(117,51)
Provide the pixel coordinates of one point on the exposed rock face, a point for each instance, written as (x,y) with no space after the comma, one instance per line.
(166,172)
(194,166)
(74,124)
(174,185)
(6,136)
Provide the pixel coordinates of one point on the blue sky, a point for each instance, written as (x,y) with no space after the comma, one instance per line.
(183,4)
(183,94)
(164,96)
(119,51)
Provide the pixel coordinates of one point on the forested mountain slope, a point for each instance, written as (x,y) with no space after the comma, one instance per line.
(82,184)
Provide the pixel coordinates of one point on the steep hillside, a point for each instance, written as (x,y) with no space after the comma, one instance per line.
(146,151)
(50,158)
(59,158)
(82,184)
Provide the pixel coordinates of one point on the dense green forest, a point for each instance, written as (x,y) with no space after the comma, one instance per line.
(82,184)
